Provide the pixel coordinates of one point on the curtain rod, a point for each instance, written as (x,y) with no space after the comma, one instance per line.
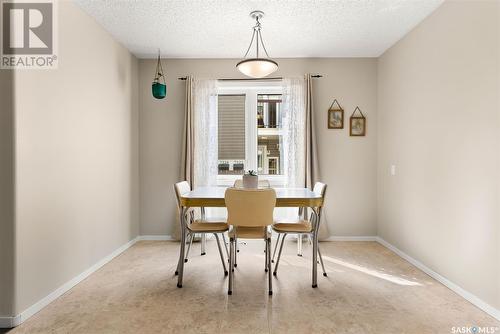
(253,79)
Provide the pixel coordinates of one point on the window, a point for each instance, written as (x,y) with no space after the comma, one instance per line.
(269,138)
(231,132)
(250,131)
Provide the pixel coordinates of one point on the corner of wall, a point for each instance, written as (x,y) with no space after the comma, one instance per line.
(7,194)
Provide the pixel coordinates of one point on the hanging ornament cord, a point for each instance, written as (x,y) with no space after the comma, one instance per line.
(357,109)
(338,104)
(159,71)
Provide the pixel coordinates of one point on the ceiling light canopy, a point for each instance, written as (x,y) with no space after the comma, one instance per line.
(257,67)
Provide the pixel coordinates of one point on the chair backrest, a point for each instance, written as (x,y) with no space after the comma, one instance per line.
(320,189)
(180,189)
(250,207)
(262,184)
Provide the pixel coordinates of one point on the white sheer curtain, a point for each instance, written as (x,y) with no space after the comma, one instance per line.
(205,132)
(294,125)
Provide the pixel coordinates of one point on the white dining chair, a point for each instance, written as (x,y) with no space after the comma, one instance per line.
(250,213)
(309,227)
(201,226)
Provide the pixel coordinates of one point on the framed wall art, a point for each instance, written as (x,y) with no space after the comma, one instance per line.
(335,116)
(357,124)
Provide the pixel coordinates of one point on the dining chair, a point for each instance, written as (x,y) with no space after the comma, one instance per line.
(238,183)
(302,226)
(198,226)
(250,213)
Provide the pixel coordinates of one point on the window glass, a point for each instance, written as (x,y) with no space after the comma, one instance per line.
(269,136)
(231,132)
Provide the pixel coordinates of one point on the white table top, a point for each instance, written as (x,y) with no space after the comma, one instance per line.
(214,196)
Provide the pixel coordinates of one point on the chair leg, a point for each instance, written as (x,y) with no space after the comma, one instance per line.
(225,245)
(231,272)
(203,243)
(299,244)
(268,257)
(322,264)
(276,247)
(266,251)
(221,254)
(183,246)
(279,255)
(191,237)
(236,250)
(315,261)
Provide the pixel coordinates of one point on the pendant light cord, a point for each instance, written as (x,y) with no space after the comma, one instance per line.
(250,46)
(257,32)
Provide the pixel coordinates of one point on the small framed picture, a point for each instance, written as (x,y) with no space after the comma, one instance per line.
(357,126)
(335,116)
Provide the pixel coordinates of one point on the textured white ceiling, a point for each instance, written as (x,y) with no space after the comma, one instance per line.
(222,28)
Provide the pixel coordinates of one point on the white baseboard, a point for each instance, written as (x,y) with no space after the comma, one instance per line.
(164,237)
(354,238)
(9,322)
(449,284)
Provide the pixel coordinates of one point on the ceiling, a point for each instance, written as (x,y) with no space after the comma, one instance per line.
(293,28)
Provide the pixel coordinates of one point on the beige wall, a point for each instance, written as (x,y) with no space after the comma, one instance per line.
(347,164)
(6,193)
(438,105)
(77,158)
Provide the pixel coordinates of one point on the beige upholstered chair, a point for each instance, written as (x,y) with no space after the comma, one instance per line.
(262,184)
(198,226)
(308,227)
(250,213)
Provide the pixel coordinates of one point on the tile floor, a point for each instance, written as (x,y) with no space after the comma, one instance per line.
(369,289)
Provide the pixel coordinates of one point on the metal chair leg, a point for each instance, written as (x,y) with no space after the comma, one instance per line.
(191,237)
(276,247)
(225,245)
(236,250)
(231,272)
(279,254)
(315,261)
(183,246)
(203,243)
(322,264)
(268,257)
(299,244)
(221,254)
(266,251)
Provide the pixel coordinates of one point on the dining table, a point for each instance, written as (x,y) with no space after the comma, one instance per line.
(207,197)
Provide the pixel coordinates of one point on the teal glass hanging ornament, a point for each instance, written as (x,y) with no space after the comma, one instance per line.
(159,86)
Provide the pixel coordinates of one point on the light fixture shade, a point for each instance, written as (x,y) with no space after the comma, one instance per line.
(257,67)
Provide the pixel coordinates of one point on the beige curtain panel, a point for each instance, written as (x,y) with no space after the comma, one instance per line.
(187,167)
(312,163)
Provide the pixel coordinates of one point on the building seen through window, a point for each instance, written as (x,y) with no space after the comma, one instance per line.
(235,139)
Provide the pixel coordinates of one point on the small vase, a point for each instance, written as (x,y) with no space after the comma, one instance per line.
(250,181)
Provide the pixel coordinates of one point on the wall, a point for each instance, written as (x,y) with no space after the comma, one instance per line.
(77,157)
(438,105)
(6,193)
(347,164)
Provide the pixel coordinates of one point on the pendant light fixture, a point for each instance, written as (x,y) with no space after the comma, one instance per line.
(257,67)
